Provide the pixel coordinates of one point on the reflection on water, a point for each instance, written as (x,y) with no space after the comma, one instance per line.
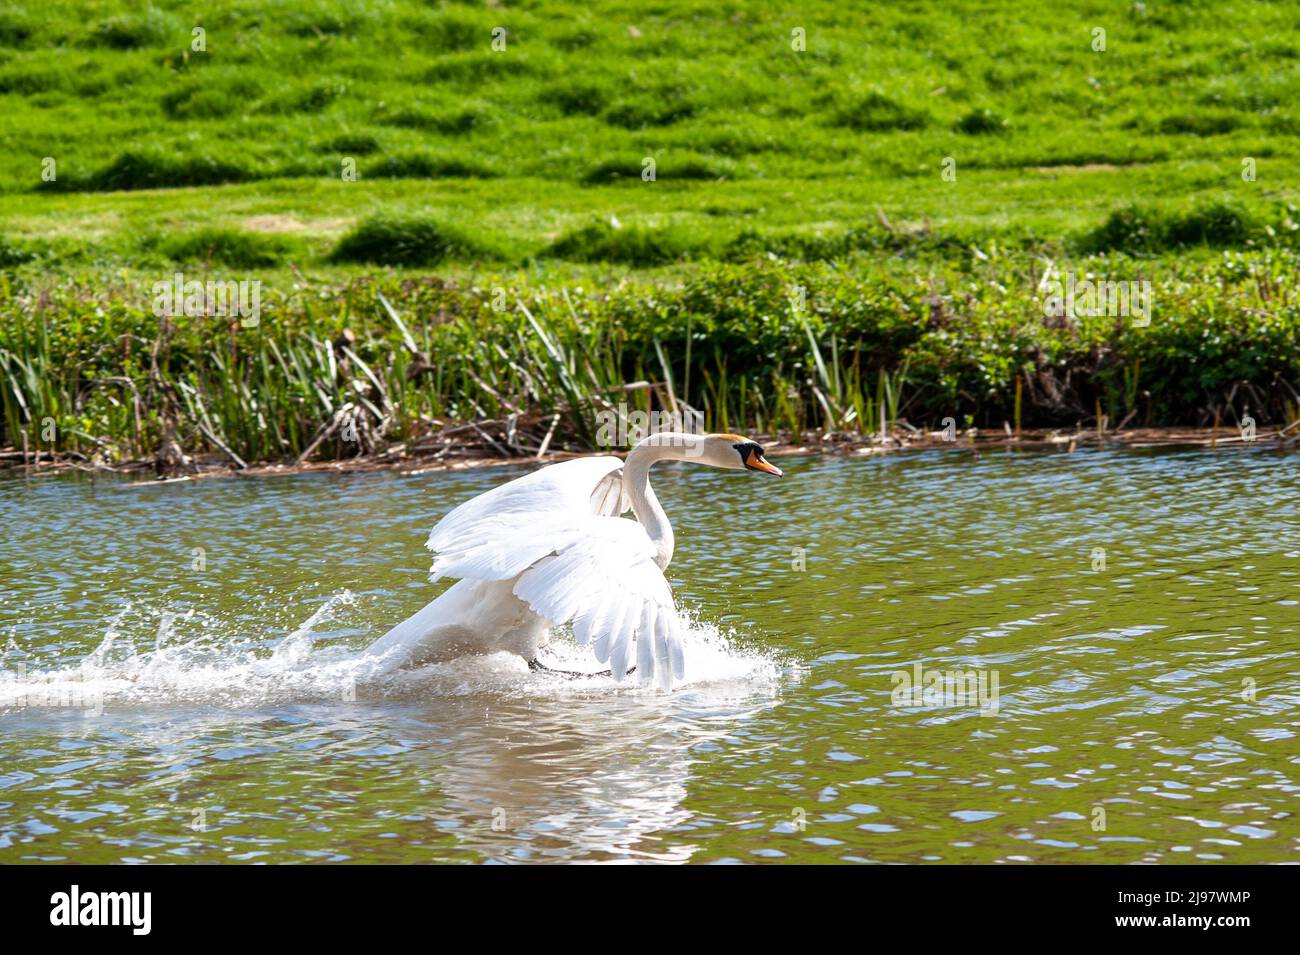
(181,678)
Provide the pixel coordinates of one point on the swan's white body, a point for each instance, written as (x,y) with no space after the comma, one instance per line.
(551,548)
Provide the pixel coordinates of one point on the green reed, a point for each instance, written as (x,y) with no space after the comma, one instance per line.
(385,364)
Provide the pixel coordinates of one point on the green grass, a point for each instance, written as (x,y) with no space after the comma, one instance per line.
(120,101)
(315,144)
(520,219)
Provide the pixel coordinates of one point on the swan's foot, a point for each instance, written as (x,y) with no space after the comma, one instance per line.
(537,666)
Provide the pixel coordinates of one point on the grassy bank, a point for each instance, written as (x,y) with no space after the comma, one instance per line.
(119,93)
(124,143)
(765,345)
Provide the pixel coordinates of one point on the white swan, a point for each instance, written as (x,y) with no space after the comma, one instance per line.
(550,548)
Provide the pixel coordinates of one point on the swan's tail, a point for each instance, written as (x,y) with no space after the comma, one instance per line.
(469,617)
(417,639)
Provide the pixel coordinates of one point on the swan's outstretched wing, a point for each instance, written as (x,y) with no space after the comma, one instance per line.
(577,488)
(605,580)
(557,531)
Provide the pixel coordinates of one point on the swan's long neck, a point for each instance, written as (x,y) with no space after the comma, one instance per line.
(665,446)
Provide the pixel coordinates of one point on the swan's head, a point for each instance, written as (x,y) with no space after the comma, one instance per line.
(730,451)
(734,452)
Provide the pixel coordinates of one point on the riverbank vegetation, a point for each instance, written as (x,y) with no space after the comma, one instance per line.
(763,345)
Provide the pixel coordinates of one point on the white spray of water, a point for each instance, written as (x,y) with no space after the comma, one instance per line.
(178,671)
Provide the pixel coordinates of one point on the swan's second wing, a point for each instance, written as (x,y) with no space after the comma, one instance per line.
(605,580)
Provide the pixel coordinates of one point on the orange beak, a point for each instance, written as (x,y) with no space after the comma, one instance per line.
(758,464)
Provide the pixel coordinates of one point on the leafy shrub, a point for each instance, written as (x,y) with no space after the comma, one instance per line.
(602,242)
(1133,229)
(639,112)
(353,144)
(424,166)
(447,31)
(313,98)
(877,113)
(981,122)
(575,40)
(673,167)
(802,246)
(209,99)
(15,29)
(1140,230)
(1216,224)
(576,98)
(408,241)
(130,31)
(335,19)
(13,253)
(1205,124)
(475,66)
(152,170)
(26,81)
(613,170)
(317,97)
(229,247)
(461,122)
(455,123)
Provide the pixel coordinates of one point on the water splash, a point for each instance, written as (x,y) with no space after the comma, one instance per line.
(297,646)
(212,668)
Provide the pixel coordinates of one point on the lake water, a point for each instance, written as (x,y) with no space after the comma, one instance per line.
(181,677)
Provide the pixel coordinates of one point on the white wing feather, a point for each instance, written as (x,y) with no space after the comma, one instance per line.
(573,487)
(557,531)
(605,580)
